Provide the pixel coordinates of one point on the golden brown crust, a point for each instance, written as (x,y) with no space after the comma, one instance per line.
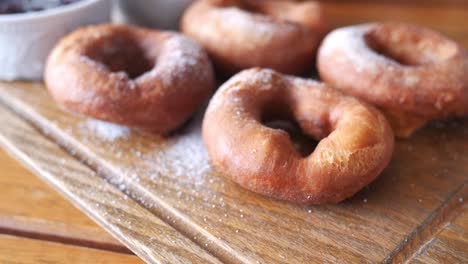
(411,72)
(240,34)
(146,79)
(355,145)
(403,123)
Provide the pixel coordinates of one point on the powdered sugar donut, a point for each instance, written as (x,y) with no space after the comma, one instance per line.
(146,79)
(413,74)
(239,34)
(356,142)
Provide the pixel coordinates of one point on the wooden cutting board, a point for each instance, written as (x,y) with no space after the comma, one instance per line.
(172,180)
(162,199)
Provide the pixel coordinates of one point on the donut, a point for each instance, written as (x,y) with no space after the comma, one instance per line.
(145,79)
(411,73)
(355,140)
(240,34)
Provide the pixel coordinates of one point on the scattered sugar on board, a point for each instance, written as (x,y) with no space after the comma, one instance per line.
(182,158)
(104,130)
(185,157)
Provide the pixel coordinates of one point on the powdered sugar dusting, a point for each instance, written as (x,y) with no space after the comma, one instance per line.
(91,63)
(350,44)
(307,82)
(105,130)
(240,21)
(185,156)
(182,58)
(243,80)
(237,18)
(185,50)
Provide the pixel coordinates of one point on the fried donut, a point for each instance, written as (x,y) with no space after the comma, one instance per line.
(240,34)
(355,140)
(411,73)
(145,79)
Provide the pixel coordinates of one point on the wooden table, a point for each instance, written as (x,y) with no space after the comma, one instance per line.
(39,226)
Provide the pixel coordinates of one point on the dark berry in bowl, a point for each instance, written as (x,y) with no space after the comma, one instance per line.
(24,6)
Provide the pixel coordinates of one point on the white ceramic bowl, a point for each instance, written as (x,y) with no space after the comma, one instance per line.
(27,38)
(163,14)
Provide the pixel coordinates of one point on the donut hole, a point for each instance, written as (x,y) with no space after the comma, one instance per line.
(122,53)
(244,5)
(277,12)
(410,46)
(303,143)
(254,9)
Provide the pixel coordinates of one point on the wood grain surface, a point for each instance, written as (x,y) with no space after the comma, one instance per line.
(138,229)
(448,246)
(14,250)
(28,207)
(402,216)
